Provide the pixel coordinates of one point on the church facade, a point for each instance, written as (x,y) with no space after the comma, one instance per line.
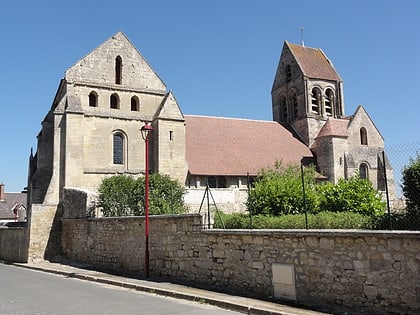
(92,129)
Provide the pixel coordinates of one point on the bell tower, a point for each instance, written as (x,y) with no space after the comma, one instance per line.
(306,92)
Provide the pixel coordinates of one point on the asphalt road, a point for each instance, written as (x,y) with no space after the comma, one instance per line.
(24,291)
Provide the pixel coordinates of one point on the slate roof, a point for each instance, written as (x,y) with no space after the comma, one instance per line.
(235,147)
(313,62)
(10,200)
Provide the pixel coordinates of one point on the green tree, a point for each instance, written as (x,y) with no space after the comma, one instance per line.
(123,195)
(411,185)
(279,191)
(354,194)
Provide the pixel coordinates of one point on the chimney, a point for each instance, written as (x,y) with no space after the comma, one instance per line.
(1,191)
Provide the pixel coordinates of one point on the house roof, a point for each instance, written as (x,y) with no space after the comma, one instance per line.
(232,147)
(9,202)
(313,62)
(334,128)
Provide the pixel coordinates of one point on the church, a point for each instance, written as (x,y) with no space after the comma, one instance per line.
(92,130)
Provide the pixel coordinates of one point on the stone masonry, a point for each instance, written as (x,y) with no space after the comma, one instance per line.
(366,270)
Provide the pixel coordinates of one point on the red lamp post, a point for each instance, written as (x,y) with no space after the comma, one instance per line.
(146,132)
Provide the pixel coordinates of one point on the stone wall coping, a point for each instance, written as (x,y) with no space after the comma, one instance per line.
(151,217)
(319,233)
(292,233)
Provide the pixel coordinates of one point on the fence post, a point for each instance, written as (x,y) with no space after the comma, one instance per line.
(386,191)
(249,202)
(304,195)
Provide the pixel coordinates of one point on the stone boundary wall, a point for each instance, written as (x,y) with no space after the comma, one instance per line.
(228,200)
(370,270)
(14,244)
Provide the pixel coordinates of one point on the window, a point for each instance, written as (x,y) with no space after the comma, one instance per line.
(118,70)
(216,181)
(221,182)
(114,101)
(316,100)
(93,99)
(329,102)
(363,171)
(118,148)
(294,104)
(171,135)
(288,73)
(212,181)
(363,136)
(135,104)
(283,108)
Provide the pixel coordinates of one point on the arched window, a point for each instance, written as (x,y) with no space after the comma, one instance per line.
(294,105)
(118,148)
(363,136)
(135,104)
(363,171)
(288,73)
(93,99)
(118,70)
(283,108)
(329,102)
(114,101)
(316,100)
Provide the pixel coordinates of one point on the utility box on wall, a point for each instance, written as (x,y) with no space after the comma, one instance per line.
(284,281)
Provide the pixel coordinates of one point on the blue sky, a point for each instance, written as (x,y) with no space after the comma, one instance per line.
(218,57)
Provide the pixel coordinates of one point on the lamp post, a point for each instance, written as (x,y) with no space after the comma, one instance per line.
(146,132)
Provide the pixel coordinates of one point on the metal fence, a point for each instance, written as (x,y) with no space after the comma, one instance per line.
(400,156)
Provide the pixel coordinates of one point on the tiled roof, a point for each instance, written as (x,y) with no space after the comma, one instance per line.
(227,146)
(313,62)
(334,128)
(10,200)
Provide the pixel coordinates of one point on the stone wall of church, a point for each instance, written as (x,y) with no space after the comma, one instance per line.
(330,152)
(44,231)
(369,270)
(98,67)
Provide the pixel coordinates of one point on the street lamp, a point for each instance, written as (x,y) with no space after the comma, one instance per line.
(146,132)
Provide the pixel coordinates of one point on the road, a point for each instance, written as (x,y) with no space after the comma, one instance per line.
(24,291)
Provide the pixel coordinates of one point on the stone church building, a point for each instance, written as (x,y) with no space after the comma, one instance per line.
(92,130)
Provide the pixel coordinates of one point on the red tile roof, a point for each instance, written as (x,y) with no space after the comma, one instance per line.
(334,128)
(313,62)
(227,146)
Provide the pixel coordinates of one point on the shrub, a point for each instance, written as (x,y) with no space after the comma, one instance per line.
(117,196)
(123,195)
(411,185)
(351,195)
(322,220)
(279,191)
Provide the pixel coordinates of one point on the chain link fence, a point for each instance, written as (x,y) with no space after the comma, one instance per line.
(400,215)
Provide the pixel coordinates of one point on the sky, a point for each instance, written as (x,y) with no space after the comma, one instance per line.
(218,57)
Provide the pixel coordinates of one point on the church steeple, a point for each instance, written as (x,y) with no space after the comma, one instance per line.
(307,90)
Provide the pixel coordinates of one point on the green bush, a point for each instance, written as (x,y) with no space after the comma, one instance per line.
(322,220)
(123,195)
(398,221)
(411,185)
(279,191)
(118,196)
(351,195)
